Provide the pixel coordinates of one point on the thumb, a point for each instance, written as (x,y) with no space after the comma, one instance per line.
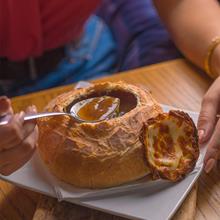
(5,106)
(207,118)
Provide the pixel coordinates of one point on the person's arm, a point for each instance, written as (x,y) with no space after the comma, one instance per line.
(17,139)
(192,25)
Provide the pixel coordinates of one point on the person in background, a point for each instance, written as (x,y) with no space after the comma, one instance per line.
(47,44)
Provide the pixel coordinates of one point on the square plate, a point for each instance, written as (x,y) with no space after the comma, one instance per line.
(157,200)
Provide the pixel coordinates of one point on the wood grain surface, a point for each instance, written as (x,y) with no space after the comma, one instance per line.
(174,83)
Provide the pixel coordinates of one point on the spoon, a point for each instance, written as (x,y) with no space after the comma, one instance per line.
(96,102)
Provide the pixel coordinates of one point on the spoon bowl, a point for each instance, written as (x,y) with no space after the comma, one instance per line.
(95,109)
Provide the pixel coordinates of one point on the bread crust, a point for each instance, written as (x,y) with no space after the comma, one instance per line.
(97,155)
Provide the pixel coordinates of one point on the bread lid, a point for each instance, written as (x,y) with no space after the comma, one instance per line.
(171,145)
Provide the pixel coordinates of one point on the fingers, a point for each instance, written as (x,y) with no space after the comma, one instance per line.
(213,150)
(12,159)
(209,126)
(16,130)
(207,119)
(12,133)
(209,110)
(5,106)
(17,140)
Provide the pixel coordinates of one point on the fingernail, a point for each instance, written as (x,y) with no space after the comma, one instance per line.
(201,135)
(209,165)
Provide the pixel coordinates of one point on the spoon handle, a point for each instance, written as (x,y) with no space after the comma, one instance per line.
(6,119)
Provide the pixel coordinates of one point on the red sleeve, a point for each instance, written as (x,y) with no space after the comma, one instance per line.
(29,27)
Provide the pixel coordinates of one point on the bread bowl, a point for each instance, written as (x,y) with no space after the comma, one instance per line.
(102,154)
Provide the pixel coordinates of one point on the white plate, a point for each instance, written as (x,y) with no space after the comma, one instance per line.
(139,200)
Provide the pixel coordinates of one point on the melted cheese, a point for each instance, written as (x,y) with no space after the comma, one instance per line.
(174,133)
(168,144)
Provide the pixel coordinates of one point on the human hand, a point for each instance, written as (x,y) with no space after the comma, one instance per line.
(209,125)
(18,139)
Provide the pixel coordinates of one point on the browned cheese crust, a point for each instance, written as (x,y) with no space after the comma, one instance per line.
(97,155)
(171,145)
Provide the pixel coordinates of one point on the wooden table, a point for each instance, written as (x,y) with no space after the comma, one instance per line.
(174,83)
